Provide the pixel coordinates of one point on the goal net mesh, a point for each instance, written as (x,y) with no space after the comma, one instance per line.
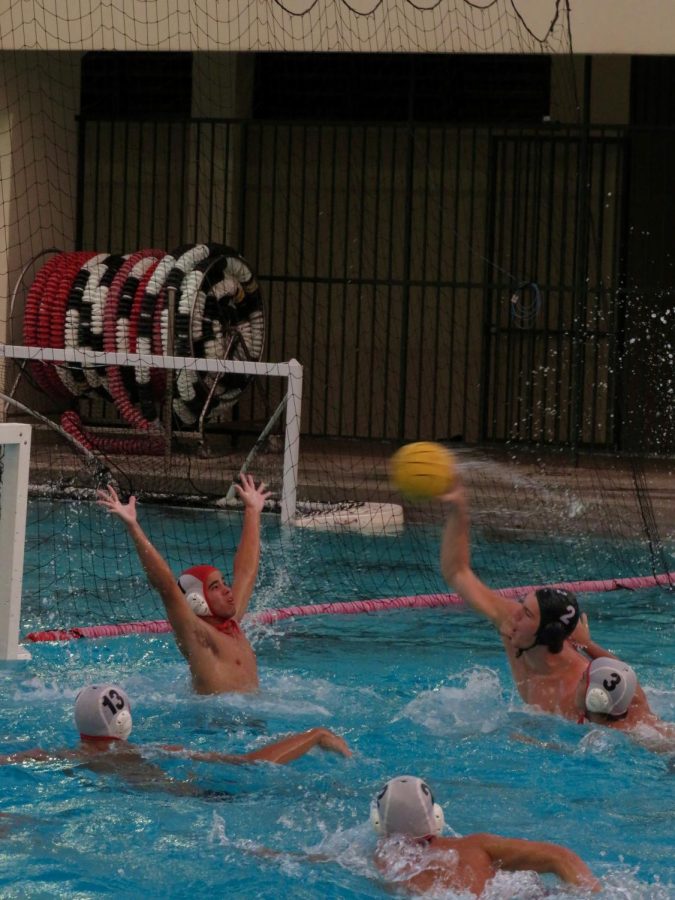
(438,278)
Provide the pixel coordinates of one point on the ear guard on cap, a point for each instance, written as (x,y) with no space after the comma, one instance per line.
(103,711)
(197,602)
(598,700)
(191,583)
(121,726)
(439,817)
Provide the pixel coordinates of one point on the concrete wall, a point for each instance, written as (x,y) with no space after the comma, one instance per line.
(39,99)
(623,27)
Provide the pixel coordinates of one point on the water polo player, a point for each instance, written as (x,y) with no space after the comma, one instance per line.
(413,853)
(610,694)
(203,610)
(606,692)
(103,719)
(545,667)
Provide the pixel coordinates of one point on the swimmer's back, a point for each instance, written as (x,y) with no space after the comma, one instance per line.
(449,864)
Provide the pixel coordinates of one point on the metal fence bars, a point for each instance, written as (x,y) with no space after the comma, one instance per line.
(482,283)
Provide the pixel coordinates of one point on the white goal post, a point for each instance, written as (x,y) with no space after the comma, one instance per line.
(15,466)
(292,371)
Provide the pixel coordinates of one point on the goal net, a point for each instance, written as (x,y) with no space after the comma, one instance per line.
(538,517)
(396,203)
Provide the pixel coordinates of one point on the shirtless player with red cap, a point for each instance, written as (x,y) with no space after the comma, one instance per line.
(203,610)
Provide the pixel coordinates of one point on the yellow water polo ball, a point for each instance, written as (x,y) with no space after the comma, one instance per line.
(423,470)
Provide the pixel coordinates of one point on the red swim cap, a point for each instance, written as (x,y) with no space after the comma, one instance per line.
(193,583)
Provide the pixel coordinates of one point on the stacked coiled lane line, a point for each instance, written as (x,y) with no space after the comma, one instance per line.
(119,303)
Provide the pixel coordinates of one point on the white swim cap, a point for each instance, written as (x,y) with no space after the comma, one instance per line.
(611,686)
(405,805)
(103,710)
(192,583)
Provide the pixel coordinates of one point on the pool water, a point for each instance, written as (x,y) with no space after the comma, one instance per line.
(418,692)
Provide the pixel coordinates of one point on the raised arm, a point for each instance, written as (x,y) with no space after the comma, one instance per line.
(247,557)
(536,856)
(183,621)
(283,751)
(456,563)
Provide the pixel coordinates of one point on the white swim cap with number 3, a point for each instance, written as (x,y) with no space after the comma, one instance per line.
(610,686)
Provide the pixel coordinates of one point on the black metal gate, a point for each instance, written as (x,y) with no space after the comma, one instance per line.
(551,353)
(390,256)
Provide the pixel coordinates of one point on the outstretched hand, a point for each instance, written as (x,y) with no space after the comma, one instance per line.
(108,499)
(330,741)
(251,496)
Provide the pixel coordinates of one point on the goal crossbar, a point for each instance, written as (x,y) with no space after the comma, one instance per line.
(58,355)
(292,371)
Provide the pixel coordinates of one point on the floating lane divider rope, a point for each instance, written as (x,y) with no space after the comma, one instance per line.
(354,607)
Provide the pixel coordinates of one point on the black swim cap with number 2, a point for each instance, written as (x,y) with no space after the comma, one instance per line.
(559,614)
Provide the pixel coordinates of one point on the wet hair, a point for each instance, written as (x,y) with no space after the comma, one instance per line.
(559,614)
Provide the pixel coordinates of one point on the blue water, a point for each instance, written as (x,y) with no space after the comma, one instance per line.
(426,693)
